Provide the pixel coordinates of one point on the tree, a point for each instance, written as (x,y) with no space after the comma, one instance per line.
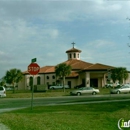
(114,74)
(119,74)
(13,76)
(62,70)
(2,83)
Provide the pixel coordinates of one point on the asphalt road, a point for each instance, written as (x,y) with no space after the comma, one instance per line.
(8,104)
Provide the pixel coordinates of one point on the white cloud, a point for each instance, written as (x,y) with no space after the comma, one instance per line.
(45,29)
(98,51)
(101,43)
(63,10)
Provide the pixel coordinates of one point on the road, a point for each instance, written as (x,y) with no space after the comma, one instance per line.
(7,104)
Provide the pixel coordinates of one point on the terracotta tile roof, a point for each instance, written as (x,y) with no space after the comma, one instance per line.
(45,69)
(73,74)
(73,50)
(25,72)
(99,66)
(77,64)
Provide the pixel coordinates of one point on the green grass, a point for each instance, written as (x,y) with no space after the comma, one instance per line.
(68,117)
(49,93)
(27,93)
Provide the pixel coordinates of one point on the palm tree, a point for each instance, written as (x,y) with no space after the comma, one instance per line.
(119,74)
(13,76)
(62,70)
(2,83)
(125,74)
(114,74)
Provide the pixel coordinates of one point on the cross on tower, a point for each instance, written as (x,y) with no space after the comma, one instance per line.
(73,44)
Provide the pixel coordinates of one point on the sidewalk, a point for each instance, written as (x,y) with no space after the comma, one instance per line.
(3,127)
(9,109)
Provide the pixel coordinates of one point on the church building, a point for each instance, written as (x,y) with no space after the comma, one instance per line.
(83,73)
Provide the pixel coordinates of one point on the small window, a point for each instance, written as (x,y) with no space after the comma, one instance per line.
(74,55)
(47,77)
(30,81)
(38,80)
(70,55)
(53,77)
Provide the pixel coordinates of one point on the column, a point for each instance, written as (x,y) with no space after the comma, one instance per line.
(104,80)
(87,79)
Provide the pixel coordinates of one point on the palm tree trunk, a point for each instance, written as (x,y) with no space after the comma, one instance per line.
(64,83)
(13,89)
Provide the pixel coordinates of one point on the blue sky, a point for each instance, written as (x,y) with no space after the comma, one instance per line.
(45,29)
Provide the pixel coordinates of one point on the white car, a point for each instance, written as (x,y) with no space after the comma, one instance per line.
(58,86)
(85,90)
(2,91)
(123,89)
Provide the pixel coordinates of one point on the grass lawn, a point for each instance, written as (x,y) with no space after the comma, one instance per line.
(49,93)
(103,116)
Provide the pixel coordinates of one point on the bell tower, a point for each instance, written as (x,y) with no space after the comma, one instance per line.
(73,53)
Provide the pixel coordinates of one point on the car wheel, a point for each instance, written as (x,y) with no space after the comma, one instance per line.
(78,94)
(118,92)
(94,93)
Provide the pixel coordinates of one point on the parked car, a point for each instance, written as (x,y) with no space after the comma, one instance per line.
(110,85)
(8,89)
(58,86)
(2,91)
(84,90)
(79,86)
(123,89)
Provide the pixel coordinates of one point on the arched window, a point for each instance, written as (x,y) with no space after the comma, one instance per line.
(53,77)
(74,55)
(30,81)
(70,56)
(47,77)
(38,80)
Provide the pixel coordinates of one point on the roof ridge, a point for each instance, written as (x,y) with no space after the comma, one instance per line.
(78,60)
(104,64)
(89,66)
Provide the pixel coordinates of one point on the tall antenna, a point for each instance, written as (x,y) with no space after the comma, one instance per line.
(73,44)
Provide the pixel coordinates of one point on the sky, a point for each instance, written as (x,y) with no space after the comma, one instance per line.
(45,29)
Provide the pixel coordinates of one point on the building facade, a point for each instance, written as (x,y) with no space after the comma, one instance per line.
(83,73)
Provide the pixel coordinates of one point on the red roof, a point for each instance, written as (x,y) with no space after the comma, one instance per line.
(73,74)
(77,64)
(45,69)
(98,66)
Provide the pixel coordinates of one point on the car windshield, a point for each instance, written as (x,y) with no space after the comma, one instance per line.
(125,87)
(90,88)
(1,88)
(81,88)
(85,88)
